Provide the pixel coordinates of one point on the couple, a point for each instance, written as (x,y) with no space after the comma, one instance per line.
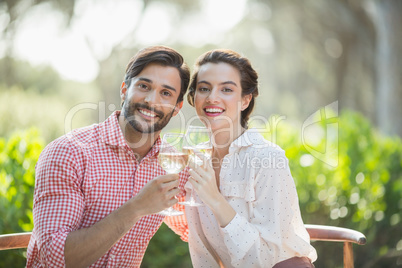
(98,189)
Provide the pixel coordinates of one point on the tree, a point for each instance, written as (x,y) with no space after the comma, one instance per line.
(388,20)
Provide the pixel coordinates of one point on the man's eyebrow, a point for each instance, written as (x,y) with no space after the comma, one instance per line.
(223,83)
(169,87)
(144,79)
(150,81)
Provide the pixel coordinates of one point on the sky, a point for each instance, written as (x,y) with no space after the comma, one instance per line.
(98,26)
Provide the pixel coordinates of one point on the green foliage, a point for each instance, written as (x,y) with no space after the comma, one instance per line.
(166,249)
(364,192)
(18,156)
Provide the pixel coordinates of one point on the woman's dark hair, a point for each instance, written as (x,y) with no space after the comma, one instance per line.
(248,76)
(164,56)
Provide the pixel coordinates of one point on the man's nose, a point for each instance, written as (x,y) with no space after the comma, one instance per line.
(151,97)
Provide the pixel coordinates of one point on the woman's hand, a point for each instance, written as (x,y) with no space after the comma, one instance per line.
(202,177)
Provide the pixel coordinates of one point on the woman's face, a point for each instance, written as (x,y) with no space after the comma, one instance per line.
(218,96)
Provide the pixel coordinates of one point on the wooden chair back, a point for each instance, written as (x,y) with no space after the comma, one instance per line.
(338,234)
(317,233)
(16,240)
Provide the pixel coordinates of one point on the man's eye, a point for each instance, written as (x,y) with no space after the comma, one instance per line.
(166,93)
(143,86)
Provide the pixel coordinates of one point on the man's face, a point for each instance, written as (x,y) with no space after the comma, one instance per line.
(151,98)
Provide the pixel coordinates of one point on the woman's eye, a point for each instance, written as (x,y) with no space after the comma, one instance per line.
(227,90)
(203,89)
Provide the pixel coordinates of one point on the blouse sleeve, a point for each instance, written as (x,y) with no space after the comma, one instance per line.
(273,230)
(58,202)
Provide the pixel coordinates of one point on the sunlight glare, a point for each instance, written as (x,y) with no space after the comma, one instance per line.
(156,24)
(75,52)
(216,19)
(208,25)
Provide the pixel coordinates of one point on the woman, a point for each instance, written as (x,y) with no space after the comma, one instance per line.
(251,215)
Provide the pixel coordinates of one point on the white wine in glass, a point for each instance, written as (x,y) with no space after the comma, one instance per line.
(199,139)
(173,163)
(172,159)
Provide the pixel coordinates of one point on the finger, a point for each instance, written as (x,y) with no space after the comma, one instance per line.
(201,172)
(191,179)
(172,202)
(171,185)
(168,178)
(172,193)
(192,163)
(193,182)
(199,179)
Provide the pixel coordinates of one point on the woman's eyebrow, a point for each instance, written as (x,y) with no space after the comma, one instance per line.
(228,82)
(203,82)
(223,83)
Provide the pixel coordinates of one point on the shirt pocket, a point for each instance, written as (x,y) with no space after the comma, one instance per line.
(239,189)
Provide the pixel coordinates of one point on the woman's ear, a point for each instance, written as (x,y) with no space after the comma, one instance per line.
(246,101)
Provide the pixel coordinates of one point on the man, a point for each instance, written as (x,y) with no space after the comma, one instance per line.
(97,188)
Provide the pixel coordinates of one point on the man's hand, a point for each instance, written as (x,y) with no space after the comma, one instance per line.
(157,194)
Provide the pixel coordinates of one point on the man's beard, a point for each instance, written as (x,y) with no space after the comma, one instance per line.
(129,110)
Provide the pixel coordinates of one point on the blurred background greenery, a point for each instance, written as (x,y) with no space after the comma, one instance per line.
(61,65)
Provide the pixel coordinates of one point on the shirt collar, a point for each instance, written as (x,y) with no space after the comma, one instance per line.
(248,138)
(111,134)
(155,148)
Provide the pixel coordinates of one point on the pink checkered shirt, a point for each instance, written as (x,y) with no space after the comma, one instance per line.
(80,179)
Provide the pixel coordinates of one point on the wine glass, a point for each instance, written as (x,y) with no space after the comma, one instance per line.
(172,159)
(199,139)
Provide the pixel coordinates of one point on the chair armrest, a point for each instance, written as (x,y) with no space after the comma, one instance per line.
(16,240)
(337,234)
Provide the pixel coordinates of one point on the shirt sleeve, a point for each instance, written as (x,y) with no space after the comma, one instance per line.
(178,223)
(58,202)
(274,230)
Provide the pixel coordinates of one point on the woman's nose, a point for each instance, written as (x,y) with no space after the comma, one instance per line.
(213,96)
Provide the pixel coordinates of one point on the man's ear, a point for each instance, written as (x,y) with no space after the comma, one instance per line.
(177,108)
(123,91)
(246,101)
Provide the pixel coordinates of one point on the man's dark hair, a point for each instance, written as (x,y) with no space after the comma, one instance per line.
(164,56)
